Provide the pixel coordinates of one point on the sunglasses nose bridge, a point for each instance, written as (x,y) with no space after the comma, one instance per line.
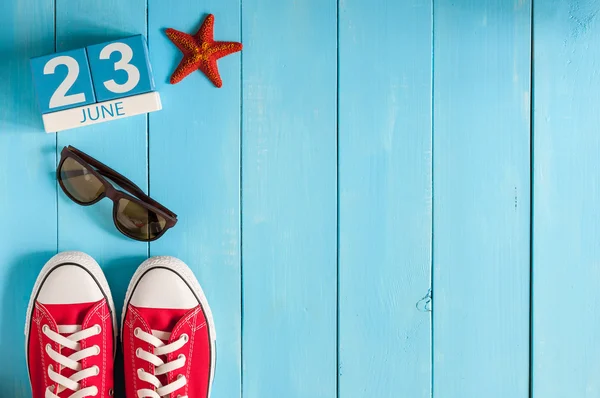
(111,193)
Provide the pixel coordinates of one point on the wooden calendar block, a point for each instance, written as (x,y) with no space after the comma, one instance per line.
(106,81)
(102,112)
(62,80)
(120,68)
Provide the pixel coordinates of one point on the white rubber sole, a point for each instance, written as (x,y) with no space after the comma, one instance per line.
(180,268)
(85,261)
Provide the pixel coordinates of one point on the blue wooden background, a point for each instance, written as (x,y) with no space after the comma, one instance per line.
(359,154)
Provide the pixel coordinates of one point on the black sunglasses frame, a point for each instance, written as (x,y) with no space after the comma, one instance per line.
(103,173)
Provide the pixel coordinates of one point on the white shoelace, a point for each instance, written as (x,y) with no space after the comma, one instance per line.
(72,361)
(157,339)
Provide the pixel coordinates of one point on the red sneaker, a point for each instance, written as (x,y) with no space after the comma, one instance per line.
(69,331)
(168,333)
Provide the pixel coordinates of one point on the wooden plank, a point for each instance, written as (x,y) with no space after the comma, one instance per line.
(385,198)
(195,170)
(289,201)
(27,190)
(121,144)
(566,317)
(482,52)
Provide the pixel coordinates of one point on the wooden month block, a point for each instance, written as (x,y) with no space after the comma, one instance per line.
(102,112)
(120,68)
(62,80)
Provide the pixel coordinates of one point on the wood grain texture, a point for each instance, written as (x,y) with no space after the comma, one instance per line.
(566,248)
(27,191)
(481,198)
(385,198)
(195,170)
(289,198)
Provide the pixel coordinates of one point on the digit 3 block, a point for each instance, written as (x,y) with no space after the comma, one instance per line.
(117,74)
(120,68)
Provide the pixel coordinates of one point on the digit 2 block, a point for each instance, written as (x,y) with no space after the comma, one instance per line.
(120,68)
(117,74)
(62,80)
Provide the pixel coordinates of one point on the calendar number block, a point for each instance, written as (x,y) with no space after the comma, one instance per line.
(62,80)
(120,68)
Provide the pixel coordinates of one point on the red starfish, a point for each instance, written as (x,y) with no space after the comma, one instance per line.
(201,51)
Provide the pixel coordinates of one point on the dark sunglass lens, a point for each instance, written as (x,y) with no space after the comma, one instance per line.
(137,221)
(77,180)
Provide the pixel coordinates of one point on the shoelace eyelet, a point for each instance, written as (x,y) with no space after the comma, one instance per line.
(45,328)
(48,348)
(98,329)
(184,337)
(111,392)
(97,349)
(97,370)
(136,332)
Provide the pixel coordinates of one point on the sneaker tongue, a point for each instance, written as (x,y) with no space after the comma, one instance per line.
(70,314)
(163,319)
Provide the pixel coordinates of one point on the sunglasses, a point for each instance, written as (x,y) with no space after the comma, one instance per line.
(86,181)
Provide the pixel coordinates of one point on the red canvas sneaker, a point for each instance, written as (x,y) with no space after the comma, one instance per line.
(168,333)
(69,331)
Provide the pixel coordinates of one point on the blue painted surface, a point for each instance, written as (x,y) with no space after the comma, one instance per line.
(359,153)
(122,65)
(566,219)
(481,168)
(289,199)
(79,89)
(384,145)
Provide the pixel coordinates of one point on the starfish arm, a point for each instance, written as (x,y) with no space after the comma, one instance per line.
(206,32)
(222,48)
(182,40)
(187,65)
(210,69)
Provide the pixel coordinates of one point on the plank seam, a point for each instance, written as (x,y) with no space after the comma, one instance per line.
(147,128)
(241,222)
(56,185)
(531,177)
(337,198)
(431,269)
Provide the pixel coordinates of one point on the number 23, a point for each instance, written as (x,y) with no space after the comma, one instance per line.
(60,97)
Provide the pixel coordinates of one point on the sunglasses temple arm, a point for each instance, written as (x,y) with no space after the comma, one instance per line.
(130,187)
(108,172)
(124,182)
